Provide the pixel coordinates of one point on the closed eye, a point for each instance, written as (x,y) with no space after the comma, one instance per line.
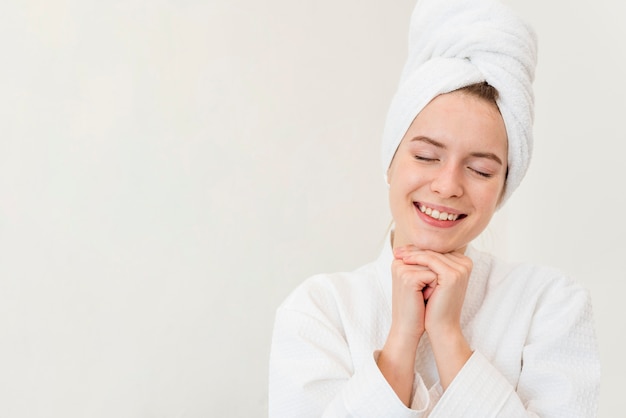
(481,173)
(423,158)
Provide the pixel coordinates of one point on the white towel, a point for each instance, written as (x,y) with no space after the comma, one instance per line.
(455,43)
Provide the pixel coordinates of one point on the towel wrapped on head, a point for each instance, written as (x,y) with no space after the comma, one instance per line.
(456,43)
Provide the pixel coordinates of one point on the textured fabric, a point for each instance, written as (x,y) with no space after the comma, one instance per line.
(531,330)
(455,43)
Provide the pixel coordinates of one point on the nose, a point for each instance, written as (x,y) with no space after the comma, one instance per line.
(447,181)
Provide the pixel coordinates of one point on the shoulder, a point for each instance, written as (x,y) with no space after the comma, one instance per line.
(343,301)
(534,282)
(324,291)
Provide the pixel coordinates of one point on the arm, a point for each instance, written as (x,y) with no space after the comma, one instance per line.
(445,294)
(397,358)
(312,374)
(560,371)
(559,374)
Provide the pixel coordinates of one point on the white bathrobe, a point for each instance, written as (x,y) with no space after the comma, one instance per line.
(530,329)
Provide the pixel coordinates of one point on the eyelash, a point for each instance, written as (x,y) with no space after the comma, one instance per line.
(420,158)
(427,159)
(480,173)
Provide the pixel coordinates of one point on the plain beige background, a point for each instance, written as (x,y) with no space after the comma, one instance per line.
(171,170)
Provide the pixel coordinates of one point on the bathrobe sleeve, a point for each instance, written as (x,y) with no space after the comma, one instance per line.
(560,370)
(312,375)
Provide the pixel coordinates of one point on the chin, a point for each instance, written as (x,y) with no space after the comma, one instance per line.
(430,241)
(439,245)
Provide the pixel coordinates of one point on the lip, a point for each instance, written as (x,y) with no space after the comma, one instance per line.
(436,222)
(438,207)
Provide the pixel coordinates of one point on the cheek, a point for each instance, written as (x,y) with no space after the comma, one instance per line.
(396,195)
(402,186)
(501,195)
(491,198)
(392,169)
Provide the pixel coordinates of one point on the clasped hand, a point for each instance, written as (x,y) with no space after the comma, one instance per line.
(428,292)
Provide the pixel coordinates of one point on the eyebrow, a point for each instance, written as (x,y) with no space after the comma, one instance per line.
(488,155)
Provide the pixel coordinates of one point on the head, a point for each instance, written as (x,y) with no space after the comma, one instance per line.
(457,43)
(465,143)
(448,175)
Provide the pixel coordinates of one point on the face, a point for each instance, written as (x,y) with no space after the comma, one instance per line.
(448,174)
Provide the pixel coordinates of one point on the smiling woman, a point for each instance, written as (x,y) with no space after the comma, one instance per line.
(449,164)
(433,327)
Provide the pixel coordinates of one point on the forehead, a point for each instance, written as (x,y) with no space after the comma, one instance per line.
(461,120)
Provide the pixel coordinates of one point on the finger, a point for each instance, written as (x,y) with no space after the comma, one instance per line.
(459,258)
(399,252)
(434,261)
(412,277)
(410,254)
(404,250)
(428,290)
(439,263)
(398,262)
(409,277)
(407,250)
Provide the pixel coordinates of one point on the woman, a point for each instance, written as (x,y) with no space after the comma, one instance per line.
(434,327)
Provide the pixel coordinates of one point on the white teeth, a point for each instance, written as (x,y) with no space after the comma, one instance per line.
(434,213)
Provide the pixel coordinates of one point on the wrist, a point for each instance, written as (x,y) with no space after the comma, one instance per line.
(396,362)
(400,349)
(451,351)
(448,340)
(405,341)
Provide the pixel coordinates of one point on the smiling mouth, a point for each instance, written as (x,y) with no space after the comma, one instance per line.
(440,216)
